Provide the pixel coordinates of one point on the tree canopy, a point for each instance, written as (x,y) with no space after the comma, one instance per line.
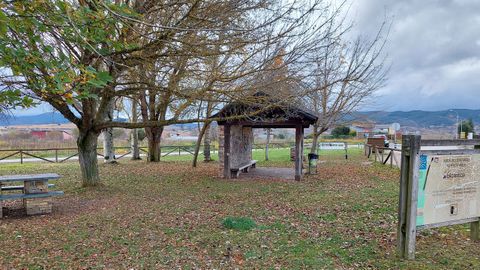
(466,126)
(79,56)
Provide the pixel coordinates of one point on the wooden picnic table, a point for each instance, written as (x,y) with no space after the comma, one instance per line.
(34,192)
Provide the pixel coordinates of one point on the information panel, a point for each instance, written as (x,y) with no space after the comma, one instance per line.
(448,188)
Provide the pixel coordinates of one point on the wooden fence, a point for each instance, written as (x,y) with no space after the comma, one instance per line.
(273,145)
(59,155)
(384,155)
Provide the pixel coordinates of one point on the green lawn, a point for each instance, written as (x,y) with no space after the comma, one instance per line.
(169,215)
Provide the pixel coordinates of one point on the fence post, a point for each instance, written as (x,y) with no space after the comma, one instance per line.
(56,155)
(475,231)
(391,158)
(21,157)
(407,205)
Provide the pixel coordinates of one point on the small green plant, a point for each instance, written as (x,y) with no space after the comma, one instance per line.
(239,223)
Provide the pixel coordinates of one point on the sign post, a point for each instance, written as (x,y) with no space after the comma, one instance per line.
(406,231)
(438,187)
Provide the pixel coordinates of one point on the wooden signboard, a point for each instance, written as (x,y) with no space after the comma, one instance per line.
(437,188)
(448,189)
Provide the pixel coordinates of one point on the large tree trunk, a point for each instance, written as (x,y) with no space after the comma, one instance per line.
(269,130)
(315,136)
(108,147)
(134,133)
(198,143)
(154,136)
(87,153)
(206,145)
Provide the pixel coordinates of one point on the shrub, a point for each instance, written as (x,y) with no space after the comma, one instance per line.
(239,223)
(340,131)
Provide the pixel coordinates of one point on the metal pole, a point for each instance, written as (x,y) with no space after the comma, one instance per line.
(456,128)
(461,128)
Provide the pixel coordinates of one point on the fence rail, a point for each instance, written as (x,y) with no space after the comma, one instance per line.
(273,145)
(59,155)
(384,154)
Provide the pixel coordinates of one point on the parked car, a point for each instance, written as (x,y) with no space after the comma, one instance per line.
(384,138)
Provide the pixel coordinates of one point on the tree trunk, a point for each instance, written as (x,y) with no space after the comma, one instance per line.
(154,136)
(87,153)
(134,145)
(198,143)
(206,145)
(315,135)
(134,133)
(269,130)
(108,147)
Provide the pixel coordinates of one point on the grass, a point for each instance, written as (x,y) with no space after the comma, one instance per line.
(239,223)
(169,215)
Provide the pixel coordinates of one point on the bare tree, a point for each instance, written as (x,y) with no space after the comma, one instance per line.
(267,143)
(344,77)
(108,144)
(134,144)
(79,68)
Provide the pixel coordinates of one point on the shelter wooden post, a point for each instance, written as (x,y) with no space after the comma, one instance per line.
(226,152)
(407,206)
(298,152)
(475,230)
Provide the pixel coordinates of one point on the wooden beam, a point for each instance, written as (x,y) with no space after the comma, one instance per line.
(298,152)
(226,152)
(448,223)
(451,152)
(450,142)
(262,124)
(407,212)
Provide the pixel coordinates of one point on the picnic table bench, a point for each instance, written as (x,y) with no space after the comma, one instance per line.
(35,194)
(245,167)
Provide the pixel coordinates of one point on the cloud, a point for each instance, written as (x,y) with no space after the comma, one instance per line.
(433,48)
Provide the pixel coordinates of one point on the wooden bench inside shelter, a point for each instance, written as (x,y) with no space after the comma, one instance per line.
(243,168)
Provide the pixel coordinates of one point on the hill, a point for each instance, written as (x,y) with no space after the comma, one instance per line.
(418,118)
(39,119)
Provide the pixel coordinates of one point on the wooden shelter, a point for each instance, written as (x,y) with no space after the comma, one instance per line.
(236,130)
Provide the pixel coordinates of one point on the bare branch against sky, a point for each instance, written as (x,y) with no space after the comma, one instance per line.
(433,50)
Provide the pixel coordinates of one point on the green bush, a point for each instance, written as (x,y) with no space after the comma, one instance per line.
(340,131)
(239,223)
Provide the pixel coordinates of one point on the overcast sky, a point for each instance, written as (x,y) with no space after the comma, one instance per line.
(433,49)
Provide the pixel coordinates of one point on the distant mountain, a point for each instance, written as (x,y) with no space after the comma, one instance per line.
(39,119)
(420,119)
